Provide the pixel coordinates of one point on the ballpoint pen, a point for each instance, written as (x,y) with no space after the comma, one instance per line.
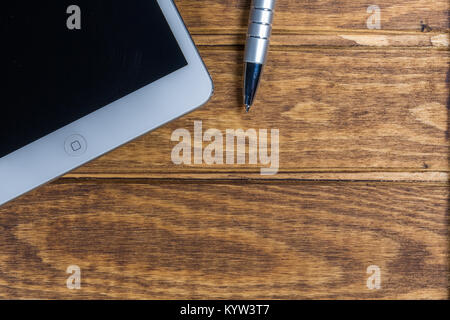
(259,31)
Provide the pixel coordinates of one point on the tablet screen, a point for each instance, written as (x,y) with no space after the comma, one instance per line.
(62,60)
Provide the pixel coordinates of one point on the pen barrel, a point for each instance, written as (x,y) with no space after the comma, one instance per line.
(259,31)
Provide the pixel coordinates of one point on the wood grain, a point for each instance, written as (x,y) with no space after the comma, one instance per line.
(255,241)
(335,39)
(363,179)
(335,108)
(231,16)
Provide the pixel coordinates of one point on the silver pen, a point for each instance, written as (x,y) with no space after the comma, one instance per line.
(258,37)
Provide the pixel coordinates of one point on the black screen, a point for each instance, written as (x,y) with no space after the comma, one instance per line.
(59,65)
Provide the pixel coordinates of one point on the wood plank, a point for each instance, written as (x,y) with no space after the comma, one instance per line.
(191,240)
(335,39)
(337,109)
(231,16)
(326,174)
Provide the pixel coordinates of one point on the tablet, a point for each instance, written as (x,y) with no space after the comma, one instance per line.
(83,77)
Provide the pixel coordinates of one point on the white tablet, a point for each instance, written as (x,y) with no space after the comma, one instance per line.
(83,77)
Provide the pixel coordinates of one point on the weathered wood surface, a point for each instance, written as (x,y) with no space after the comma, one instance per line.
(335,108)
(363,177)
(230,16)
(209,239)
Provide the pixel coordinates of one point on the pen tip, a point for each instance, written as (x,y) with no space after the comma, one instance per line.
(247,108)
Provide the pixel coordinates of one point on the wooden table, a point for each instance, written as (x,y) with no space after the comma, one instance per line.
(363,177)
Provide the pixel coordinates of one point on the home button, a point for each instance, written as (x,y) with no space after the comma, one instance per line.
(75,145)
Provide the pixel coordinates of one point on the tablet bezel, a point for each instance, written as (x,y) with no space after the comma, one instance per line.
(113,125)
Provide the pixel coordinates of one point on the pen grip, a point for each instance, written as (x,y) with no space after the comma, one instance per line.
(259,31)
